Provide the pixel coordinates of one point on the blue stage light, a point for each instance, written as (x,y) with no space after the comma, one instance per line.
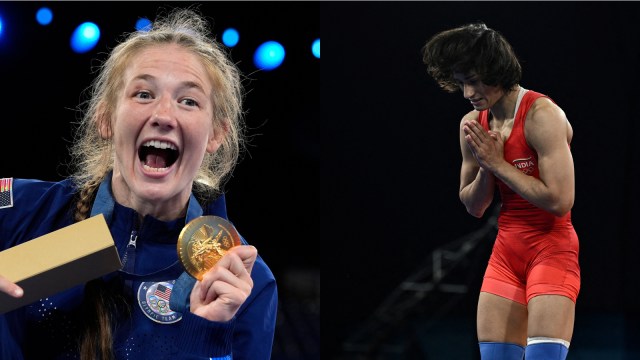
(315,48)
(143,24)
(0,26)
(269,55)
(44,16)
(230,37)
(85,37)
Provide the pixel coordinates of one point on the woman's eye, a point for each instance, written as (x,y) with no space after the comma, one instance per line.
(143,95)
(189,102)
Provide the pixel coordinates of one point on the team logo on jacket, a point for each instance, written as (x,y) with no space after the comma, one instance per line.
(153,298)
(524,165)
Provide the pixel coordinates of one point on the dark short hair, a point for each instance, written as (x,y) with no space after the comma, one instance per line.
(472,47)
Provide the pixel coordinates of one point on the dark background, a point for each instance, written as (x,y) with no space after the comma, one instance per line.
(272,197)
(391,159)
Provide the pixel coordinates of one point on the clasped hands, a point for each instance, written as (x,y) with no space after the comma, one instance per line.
(486,146)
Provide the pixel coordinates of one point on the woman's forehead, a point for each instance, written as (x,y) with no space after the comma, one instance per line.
(466,75)
(159,59)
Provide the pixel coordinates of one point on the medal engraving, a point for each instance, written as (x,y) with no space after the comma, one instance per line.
(203,241)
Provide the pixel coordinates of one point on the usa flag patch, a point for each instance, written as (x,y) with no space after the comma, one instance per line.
(6,193)
(153,298)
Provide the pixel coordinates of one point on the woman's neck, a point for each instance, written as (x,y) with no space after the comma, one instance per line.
(505,108)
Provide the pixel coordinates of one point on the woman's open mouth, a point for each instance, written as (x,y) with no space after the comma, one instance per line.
(157,155)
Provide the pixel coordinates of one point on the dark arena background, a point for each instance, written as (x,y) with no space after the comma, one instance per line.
(402,261)
(355,167)
(273,195)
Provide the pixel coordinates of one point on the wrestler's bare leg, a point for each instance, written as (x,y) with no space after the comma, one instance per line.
(502,320)
(551,316)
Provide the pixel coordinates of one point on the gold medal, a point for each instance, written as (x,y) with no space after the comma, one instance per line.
(203,241)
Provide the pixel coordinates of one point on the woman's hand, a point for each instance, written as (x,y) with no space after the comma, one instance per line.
(487,147)
(10,288)
(226,286)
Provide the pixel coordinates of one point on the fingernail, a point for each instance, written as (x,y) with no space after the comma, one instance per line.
(18,292)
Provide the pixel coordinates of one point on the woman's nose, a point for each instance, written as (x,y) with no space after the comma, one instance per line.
(468,91)
(163,115)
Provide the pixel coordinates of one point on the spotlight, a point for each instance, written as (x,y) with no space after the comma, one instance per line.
(44,16)
(143,24)
(85,37)
(315,48)
(269,55)
(230,37)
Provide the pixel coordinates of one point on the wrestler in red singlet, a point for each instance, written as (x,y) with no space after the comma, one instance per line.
(535,252)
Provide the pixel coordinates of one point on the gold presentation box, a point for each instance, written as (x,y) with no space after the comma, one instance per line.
(58,261)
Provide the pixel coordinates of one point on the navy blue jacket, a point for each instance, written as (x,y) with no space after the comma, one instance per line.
(48,329)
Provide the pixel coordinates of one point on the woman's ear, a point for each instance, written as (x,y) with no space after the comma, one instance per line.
(103,122)
(216,136)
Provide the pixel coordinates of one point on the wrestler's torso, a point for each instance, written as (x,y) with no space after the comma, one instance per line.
(522,156)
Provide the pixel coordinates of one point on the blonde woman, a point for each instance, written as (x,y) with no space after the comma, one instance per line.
(162,131)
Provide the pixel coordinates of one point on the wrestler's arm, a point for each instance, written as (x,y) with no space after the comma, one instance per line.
(547,131)
(476,184)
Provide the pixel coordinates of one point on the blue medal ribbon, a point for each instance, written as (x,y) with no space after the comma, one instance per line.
(104,204)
